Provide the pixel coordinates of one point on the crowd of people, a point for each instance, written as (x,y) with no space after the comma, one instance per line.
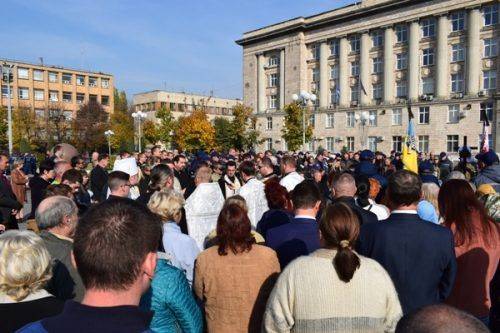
(162,241)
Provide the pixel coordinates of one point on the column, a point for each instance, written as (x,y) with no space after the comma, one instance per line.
(442,68)
(473,58)
(365,69)
(343,72)
(324,78)
(282,79)
(388,66)
(413,77)
(261,83)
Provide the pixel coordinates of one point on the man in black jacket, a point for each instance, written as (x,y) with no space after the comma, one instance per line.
(9,206)
(99,178)
(39,183)
(187,184)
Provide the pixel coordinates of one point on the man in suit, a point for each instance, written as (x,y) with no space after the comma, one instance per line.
(99,178)
(9,206)
(300,236)
(418,255)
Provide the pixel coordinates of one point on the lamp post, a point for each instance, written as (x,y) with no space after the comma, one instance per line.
(108,135)
(303,99)
(139,115)
(6,71)
(363,117)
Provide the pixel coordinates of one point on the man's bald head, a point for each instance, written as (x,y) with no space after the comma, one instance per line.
(343,185)
(53,210)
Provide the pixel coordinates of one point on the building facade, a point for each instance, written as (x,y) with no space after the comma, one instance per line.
(182,104)
(45,88)
(368,62)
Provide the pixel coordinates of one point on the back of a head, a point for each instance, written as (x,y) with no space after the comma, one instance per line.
(45,166)
(159,176)
(277,196)
(234,231)
(305,195)
(440,318)
(117,179)
(167,204)
(59,189)
(266,162)
(203,175)
(238,200)
(72,176)
(362,190)
(344,184)
(52,210)
(289,161)
(456,175)
(112,241)
(404,188)
(430,192)
(247,168)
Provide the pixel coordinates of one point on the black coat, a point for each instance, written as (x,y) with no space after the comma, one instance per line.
(364,216)
(38,185)
(8,202)
(98,183)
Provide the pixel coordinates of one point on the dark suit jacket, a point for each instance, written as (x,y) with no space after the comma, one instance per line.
(8,202)
(292,240)
(98,183)
(418,255)
(37,187)
(364,216)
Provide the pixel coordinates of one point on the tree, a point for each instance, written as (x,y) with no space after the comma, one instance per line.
(56,127)
(293,128)
(24,134)
(165,125)
(150,132)
(223,133)
(4,141)
(242,127)
(194,132)
(121,123)
(89,125)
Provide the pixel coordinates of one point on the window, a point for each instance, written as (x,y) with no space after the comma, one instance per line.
(428,27)
(423,115)
(350,120)
(401,89)
(355,43)
(401,61)
(93,98)
(397,117)
(273,80)
(330,119)
(401,33)
(334,96)
(315,74)
(312,120)
(453,113)
(372,143)
(67,96)
(67,114)
(269,144)
(354,94)
(22,73)
(397,143)
(457,52)
(490,47)
(315,51)
(273,61)
(330,143)
(457,21)
(5,92)
(66,78)
(53,96)
(377,65)
(311,146)
(37,75)
(24,93)
(377,91)
(80,80)
(92,81)
(423,143)
(104,83)
(269,123)
(378,38)
(355,68)
(490,14)
(53,77)
(38,93)
(372,120)
(105,100)
(457,82)
(334,72)
(488,108)
(334,47)
(428,86)
(350,143)
(427,57)
(272,102)
(80,98)
(452,143)
(489,80)
(40,113)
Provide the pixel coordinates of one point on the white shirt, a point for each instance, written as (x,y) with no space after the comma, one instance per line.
(291,180)
(381,211)
(255,197)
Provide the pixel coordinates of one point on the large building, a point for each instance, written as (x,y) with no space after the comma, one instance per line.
(182,104)
(44,88)
(365,62)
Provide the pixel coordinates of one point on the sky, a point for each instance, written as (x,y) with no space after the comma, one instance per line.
(163,44)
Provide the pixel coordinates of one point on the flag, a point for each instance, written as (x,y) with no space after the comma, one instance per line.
(409,153)
(337,95)
(485,140)
(363,87)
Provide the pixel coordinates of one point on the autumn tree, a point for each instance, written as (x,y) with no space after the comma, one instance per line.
(24,133)
(4,141)
(243,131)
(223,133)
(150,132)
(122,123)
(194,132)
(56,124)
(292,131)
(165,125)
(89,125)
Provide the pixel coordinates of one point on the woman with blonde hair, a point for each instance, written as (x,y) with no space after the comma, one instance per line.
(25,269)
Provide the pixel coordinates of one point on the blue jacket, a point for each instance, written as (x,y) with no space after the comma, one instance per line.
(172,301)
(292,240)
(418,255)
(489,175)
(370,170)
(271,219)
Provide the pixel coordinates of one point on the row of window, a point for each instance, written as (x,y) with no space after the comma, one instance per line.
(181,107)
(67,78)
(427,27)
(54,96)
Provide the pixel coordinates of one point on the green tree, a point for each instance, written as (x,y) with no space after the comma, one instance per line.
(165,125)
(223,133)
(89,125)
(24,134)
(243,131)
(122,123)
(150,132)
(4,141)
(293,127)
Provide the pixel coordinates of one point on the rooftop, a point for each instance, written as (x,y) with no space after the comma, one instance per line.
(185,94)
(2,61)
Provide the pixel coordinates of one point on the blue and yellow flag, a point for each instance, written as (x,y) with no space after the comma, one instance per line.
(409,153)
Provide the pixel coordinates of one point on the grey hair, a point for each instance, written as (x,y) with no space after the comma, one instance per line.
(456,175)
(17,162)
(51,211)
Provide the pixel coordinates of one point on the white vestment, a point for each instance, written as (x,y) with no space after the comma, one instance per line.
(202,210)
(291,180)
(253,192)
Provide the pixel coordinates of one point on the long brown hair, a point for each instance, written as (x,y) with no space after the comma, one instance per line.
(234,230)
(457,204)
(340,228)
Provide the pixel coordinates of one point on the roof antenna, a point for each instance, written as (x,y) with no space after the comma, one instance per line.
(41,60)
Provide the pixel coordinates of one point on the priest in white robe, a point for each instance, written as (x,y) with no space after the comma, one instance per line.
(253,192)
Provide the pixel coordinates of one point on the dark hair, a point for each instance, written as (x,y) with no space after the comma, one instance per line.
(45,166)
(234,231)
(340,228)
(178,157)
(363,190)
(117,179)
(266,161)
(248,168)
(155,148)
(404,188)
(305,195)
(112,241)
(159,175)
(102,157)
(289,160)
(277,196)
(75,160)
(59,189)
(459,206)
(231,163)
(72,176)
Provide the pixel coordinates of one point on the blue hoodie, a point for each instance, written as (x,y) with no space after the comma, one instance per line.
(370,170)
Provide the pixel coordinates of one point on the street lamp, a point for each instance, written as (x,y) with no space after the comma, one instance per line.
(303,99)
(108,134)
(364,117)
(6,71)
(139,115)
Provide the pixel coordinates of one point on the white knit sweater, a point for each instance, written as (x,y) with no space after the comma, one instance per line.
(309,297)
